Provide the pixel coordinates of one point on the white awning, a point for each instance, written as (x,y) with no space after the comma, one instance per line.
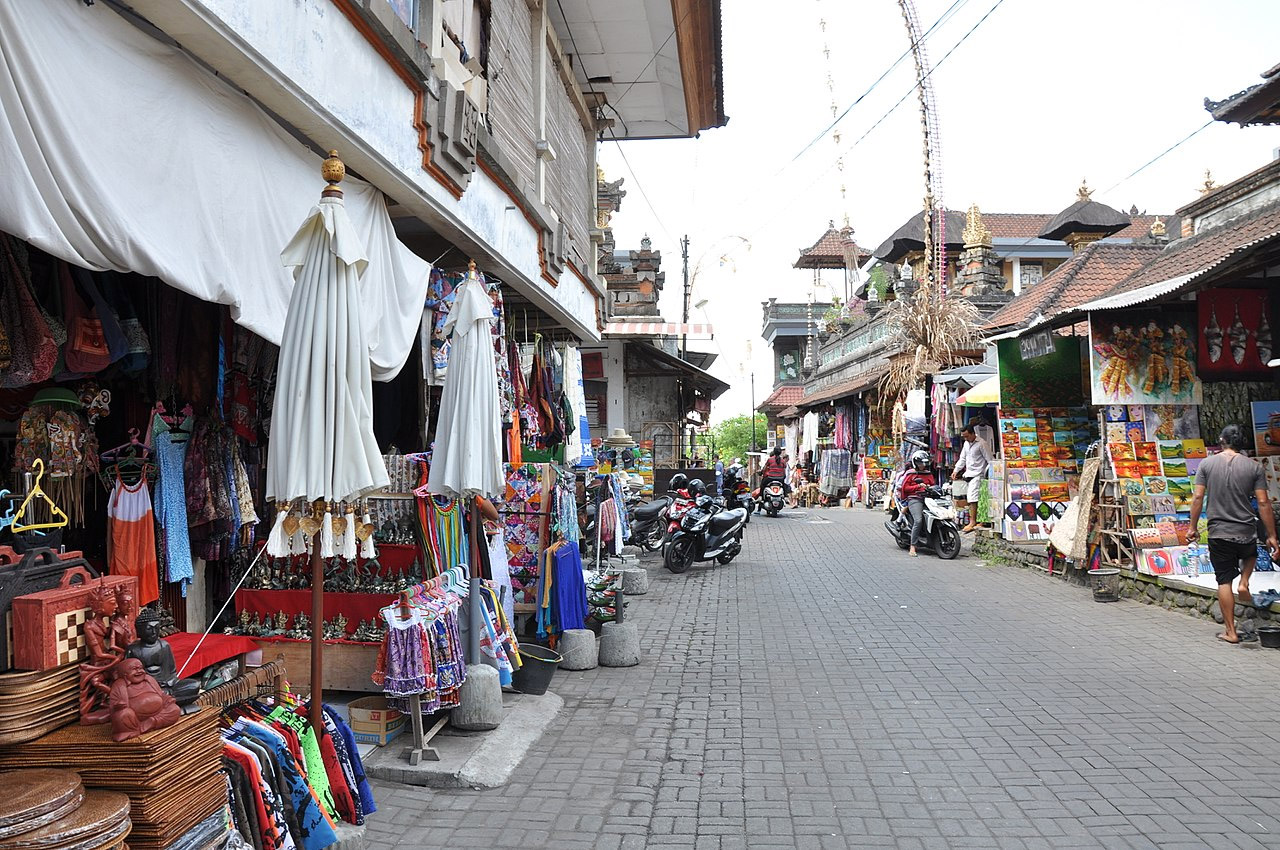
(135,158)
(700,331)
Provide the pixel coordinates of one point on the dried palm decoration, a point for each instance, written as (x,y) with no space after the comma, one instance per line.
(934,330)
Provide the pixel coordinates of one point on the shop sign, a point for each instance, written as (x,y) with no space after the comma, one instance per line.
(1036,345)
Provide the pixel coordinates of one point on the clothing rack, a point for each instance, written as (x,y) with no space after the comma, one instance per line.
(260,681)
(420,744)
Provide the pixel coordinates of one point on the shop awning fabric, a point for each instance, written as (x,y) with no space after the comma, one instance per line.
(986,392)
(692,331)
(134,158)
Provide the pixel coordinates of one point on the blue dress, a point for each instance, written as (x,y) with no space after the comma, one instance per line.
(171,508)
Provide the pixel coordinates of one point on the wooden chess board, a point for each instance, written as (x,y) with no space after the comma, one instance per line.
(48,627)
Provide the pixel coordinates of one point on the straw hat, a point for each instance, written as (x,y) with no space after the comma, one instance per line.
(620,439)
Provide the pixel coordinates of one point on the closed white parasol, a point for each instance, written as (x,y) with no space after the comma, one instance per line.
(322,442)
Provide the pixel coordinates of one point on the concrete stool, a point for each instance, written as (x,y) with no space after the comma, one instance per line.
(578,650)
(635,582)
(479,701)
(619,645)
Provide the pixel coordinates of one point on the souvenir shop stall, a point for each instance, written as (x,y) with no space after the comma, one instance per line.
(1166,384)
(406,534)
(134,421)
(877,450)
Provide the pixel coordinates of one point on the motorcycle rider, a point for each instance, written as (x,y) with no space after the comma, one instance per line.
(911,489)
(775,469)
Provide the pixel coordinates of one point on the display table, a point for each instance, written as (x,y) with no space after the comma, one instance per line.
(348,666)
(214,649)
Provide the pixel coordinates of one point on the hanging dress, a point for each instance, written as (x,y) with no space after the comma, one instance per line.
(171,500)
(131,537)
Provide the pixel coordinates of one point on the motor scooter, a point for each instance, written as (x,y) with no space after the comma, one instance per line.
(941,532)
(773,496)
(736,491)
(707,532)
(649,523)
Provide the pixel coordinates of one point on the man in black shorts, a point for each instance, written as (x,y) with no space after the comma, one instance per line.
(1231,482)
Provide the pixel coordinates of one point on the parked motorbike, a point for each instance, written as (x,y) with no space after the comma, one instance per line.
(773,497)
(706,532)
(649,523)
(736,491)
(941,532)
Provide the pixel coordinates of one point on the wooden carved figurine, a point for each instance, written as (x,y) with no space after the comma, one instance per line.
(157,659)
(104,655)
(137,704)
(122,626)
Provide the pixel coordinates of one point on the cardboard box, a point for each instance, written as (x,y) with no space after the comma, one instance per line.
(372,721)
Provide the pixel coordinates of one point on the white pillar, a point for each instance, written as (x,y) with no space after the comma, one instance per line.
(1017,275)
(615,375)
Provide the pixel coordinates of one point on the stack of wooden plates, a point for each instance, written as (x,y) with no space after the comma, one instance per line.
(33,704)
(46,809)
(171,776)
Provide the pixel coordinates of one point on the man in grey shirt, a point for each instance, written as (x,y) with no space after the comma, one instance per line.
(1231,482)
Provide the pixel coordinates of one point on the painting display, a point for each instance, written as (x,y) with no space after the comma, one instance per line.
(1056,378)
(1141,357)
(1266,427)
(1235,331)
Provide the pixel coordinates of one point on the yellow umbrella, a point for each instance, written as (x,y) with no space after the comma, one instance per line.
(986,392)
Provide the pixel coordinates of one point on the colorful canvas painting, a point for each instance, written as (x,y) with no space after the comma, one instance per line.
(1266,427)
(1140,357)
(1172,422)
(1234,331)
(1181,491)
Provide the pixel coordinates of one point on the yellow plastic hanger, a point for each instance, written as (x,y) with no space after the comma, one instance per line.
(60,518)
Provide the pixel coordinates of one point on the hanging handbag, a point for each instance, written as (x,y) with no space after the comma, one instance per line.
(33,351)
(137,353)
(86,350)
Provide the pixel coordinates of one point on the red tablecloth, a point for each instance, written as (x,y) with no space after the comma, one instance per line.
(216,648)
(354,606)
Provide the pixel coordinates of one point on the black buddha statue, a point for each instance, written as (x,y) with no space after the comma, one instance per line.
(157,658)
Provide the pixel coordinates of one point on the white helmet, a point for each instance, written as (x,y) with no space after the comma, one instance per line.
(920,459)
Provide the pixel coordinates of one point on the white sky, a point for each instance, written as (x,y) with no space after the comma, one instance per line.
(1042,94)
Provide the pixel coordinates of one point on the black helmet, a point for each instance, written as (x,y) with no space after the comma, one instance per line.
(696,487)
(678,481)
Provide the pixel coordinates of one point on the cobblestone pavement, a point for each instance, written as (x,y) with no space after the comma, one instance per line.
(827,691)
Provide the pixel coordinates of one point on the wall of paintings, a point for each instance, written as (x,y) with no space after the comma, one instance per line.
(1041,450)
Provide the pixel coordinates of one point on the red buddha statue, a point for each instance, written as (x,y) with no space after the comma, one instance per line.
(137,704)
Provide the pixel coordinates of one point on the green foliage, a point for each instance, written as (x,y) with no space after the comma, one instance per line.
(879,280)
(733,435)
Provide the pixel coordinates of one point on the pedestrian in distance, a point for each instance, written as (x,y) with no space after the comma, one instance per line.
(971,468)
(1226,486)
(911,489)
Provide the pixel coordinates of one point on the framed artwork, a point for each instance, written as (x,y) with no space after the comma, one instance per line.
(1266,427)
(1142,357)
(1235,332)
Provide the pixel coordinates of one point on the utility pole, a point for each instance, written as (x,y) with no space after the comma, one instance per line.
(684,317)
(753,410)
(684,349)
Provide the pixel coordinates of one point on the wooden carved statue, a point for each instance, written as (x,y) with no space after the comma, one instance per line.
(122,626)
(157,659)
(104,655)
(137,704)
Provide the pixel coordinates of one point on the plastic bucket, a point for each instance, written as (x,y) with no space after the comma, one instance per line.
(1106,585)
(1269,636)
(534,677)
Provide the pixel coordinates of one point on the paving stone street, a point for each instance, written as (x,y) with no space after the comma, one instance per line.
(826,691)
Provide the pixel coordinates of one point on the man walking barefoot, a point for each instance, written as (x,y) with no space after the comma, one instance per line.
(1232,481)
